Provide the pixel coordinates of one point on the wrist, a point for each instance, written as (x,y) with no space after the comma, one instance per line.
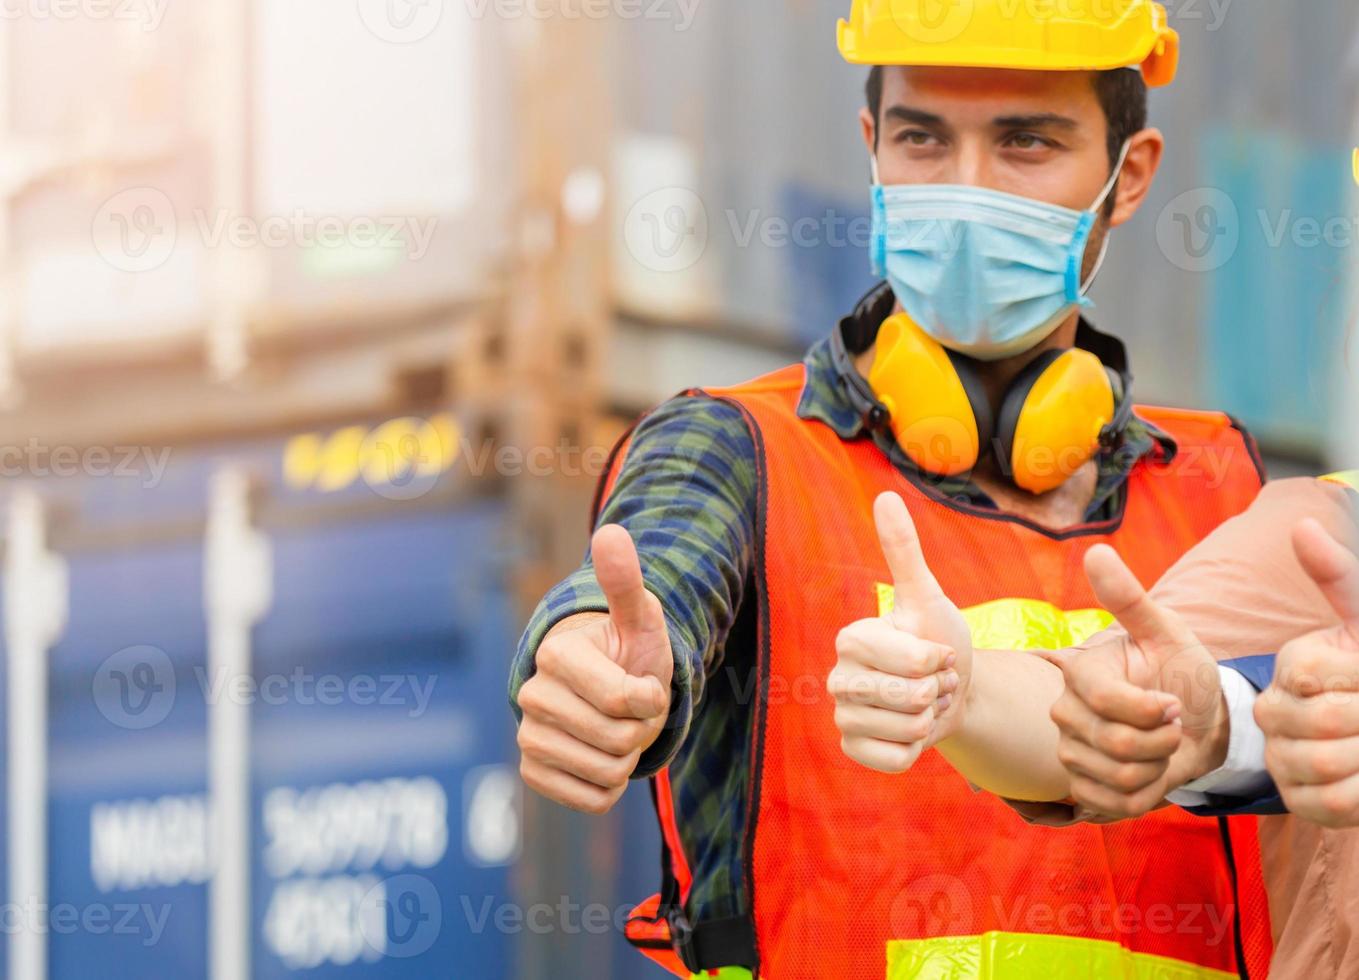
(574,622)
(1216,742)
(954,721)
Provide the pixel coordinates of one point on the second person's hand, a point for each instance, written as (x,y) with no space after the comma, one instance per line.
(900,680)
(1141,716)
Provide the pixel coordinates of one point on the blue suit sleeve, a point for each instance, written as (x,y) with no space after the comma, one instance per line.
(1259,671)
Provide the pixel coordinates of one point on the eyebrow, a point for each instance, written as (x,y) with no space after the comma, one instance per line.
(1038,120)
(918,116)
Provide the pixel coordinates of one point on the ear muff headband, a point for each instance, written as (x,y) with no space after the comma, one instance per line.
(1052,420)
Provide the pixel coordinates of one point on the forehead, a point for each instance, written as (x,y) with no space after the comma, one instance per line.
(991,91)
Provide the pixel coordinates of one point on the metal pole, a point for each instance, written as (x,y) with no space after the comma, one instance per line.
(237,592)
(35,615)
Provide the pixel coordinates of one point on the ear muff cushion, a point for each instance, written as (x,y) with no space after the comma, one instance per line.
(933,414)
(1052,418)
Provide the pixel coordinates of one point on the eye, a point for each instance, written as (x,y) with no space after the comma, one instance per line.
(1028,141)
(916,137)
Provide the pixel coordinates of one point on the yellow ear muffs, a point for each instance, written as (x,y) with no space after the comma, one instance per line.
(1052,417)
(939,412)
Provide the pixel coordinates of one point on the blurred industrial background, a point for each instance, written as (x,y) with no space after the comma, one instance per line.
(317,320)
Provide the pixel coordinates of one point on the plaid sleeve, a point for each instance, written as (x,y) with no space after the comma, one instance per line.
(686,493)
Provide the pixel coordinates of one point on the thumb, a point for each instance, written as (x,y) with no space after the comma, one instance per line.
(1333,567)
(635,612)
(912,580)
(1157,634)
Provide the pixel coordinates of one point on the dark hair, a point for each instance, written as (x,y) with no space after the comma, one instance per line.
(1122,95)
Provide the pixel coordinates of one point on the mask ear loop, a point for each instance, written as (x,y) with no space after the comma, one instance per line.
(878,243)
(1094,211)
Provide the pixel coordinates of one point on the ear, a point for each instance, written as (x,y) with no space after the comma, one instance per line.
(1144,158)
(869,125)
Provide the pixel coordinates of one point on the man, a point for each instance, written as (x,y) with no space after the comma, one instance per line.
(1146,708)
(693,645)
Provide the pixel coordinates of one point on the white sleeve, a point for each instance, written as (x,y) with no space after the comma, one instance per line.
(1243,773)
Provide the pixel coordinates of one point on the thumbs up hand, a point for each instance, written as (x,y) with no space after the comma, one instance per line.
(600,695)
(1140,718)
(1310,713)
(900,680)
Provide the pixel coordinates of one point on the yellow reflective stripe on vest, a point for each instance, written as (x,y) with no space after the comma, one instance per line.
(1348,479)
(725,973)
(1032,624)
(1027,956)
(1021,624)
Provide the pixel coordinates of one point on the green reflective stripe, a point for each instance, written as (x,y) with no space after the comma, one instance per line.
(1350,478)
(1028,956)
(726,973)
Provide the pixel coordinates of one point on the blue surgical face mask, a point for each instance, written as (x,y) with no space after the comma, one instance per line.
(984,273)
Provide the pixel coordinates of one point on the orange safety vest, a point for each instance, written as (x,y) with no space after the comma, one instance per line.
(857,875)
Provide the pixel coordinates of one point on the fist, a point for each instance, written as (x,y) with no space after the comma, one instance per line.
(1141,716)
(600,695)
(896,677)
(1310,713)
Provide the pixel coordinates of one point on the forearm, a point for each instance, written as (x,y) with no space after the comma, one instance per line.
(1005,741)
(686,494)
(1242,589)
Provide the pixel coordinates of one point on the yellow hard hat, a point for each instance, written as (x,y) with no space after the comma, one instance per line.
(1044,35)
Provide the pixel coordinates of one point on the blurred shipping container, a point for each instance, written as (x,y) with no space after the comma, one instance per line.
(349,263)
(234,179)
(386,820)
(385,806)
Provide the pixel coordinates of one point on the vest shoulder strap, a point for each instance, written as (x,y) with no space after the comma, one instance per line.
(1206,430)
(785,381)
(1188,423)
